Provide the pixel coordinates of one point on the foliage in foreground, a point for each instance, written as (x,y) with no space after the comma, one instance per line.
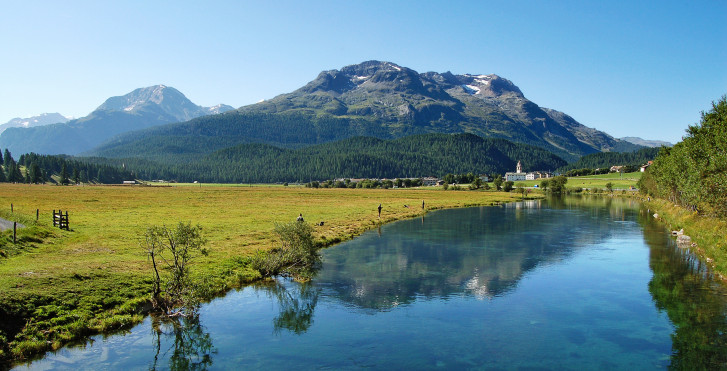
(171,250)
(693,173)
(298,256)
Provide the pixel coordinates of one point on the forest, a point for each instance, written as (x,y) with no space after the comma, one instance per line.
(358,157)
(42,169)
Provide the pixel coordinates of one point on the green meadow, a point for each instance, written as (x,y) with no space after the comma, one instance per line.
(59,286)
(619,181)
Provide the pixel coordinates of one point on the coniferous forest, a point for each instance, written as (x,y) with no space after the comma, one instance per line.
(358,157)
(32,168)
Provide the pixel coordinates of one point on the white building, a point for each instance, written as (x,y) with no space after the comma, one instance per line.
(535,175)
(430,181)
(517,175)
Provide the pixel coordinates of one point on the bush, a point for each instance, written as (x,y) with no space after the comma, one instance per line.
(557,184)
(298,256)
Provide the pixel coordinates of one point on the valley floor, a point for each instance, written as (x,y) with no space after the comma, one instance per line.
(60,286)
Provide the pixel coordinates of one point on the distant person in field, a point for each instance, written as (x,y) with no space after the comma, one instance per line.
(300,217)
(379,210)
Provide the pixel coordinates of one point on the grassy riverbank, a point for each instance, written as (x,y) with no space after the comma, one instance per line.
(62,286)
(618,181)
(707,232)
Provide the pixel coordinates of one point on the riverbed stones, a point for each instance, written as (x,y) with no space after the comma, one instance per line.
(684,241)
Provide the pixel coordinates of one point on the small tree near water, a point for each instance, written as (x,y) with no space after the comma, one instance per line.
(297,256)
(171,250)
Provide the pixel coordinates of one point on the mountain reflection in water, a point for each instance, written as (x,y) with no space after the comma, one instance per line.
(572,283)
(442,256)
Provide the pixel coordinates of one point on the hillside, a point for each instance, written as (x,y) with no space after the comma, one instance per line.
(382,100)
(357,157)
(607,159)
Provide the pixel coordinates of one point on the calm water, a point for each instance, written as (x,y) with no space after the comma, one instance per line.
(569,284)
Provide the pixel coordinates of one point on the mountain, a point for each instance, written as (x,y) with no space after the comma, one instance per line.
(356,157)
(408,102)
(142,108)
(42,119)
(383,100)
(646,142)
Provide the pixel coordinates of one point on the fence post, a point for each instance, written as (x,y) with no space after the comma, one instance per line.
(11,208)
(15,231)
(37,213)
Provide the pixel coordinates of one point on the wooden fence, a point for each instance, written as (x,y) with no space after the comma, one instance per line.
(60,220)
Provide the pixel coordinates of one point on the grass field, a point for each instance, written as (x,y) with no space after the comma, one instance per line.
(619,181)
(60,286)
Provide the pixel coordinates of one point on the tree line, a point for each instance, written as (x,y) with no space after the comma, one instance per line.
(693,173)
(358,157)
(32,168)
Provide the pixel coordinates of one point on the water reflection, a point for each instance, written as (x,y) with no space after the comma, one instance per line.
(188,345)
(494,249)
(558,284)
(697,306)
(296,303)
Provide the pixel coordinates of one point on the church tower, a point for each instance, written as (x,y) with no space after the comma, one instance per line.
(519,168)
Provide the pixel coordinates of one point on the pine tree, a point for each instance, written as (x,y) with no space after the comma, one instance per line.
(7,158)
(17,175)
(35,174)
(10,171)
(64,174)
(76,176)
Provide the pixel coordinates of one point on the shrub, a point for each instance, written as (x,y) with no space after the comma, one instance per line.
(298,256)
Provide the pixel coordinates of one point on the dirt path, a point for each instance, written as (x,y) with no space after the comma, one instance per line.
(6,224)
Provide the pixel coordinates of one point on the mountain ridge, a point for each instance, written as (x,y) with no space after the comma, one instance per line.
(647,142)
(485,105)
(383,100)
(139,109)
(40,120)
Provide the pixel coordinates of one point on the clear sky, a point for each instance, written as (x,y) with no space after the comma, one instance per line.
(629,68)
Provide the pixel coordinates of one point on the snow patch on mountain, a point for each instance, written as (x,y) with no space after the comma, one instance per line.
(40,120)
(472,89)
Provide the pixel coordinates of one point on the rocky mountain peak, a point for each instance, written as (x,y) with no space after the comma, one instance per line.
(139,97)
(488,85)
(403,101)
(168,100)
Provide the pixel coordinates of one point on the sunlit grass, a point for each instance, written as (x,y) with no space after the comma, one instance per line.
(707,232)
(96,277)
(619,181)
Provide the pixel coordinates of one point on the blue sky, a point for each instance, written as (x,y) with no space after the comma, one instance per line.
(629,68)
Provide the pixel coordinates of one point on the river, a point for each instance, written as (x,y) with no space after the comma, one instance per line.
(573,283)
